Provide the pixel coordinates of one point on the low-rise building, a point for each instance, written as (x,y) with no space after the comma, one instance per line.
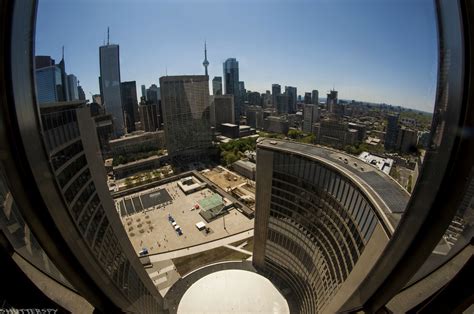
(230,130)
(134,167)
(275,124)
(255,117)
(335,133)
(362,129)
(136,142)
(245,130)
(245,168)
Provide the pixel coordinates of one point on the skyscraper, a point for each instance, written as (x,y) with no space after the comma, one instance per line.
(143,91)
(315,97)
(205,63)
(149,116)
(391,133)
(80,92)
(407,140)
(282,104)
(110,85)
(49,85)
(310,116)
(307,98)
(153,94)
(291,92)
(217,85)
(223,107)
(72,87)
(65,90)
(255,117)
(43,62)
(186,115)
(130,104)
(276,90)
(242,87)
(97,99)
(254,98)
(231,80)
(331,101)
(320,223)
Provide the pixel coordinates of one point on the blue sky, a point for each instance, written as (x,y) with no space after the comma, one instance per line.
(377,50)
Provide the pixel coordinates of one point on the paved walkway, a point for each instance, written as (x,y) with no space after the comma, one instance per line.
(238,249)
(203,247)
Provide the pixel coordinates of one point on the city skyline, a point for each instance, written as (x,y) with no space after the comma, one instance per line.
(360,49)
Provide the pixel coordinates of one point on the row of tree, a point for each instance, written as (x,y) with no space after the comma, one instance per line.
(123,159)
(232,151)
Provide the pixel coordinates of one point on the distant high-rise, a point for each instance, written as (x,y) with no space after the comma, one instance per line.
(315,97)
(62,66)
(282,104)
(49,85)
(276,90)
(43,62)
(331,101)
(307,98)
(110,83)
(242,86)
(391,133)
(231,84)
(217,85)
(72,87)
(130,104)
(407,140)
(243,96)
(143,91)
(255,117)
(97,99)
(149,116)
(223,106)
(254,98)
(80,92)
(310,116)
(186,115)
(205,62)
(291,92)
(153,94)
(333,107)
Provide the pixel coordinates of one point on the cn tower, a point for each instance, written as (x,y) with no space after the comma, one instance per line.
(205,62)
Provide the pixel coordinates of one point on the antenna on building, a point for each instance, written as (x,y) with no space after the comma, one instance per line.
(166,70)
(108,35)
(63,52)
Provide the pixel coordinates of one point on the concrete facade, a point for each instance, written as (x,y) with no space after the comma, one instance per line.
(137,142)
(321,222)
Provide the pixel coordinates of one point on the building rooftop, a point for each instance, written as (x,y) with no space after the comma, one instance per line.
(245,164)
(135,135)
(390,197)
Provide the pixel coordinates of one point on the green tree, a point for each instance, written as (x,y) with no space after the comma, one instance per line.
(295,134)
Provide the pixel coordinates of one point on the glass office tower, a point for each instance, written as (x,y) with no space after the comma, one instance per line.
(110,85)
(231,84)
